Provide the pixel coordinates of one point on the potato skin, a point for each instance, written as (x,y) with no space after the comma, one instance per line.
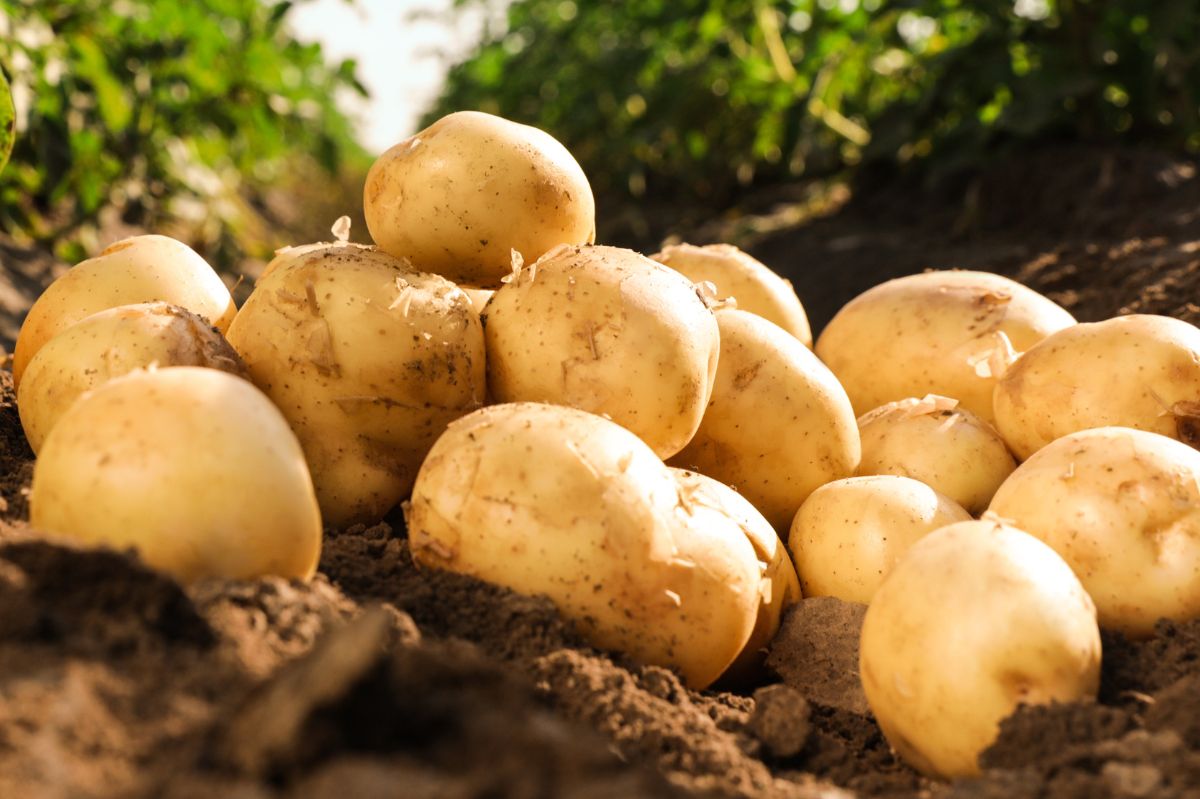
(550,500)
(369,361)
(752,284)
(935,333)
(109,344)
(778,425)
(1122,507)
(977,618)
(849,534)
(138,269)
(461,195)
(608,331)
(1140,371)
(192,467)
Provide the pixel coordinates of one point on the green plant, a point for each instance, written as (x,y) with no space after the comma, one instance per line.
(8,121)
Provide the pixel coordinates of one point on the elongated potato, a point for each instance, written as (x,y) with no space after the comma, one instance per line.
(138,269)
(944,446)
(369,361)
(976,619)
(778,425)
(1122,507)
(550,500)
(460,196)
(850,533)
(750,282)
(1140,371)
(947,333)
(109,344)
(608,331)
(193,468)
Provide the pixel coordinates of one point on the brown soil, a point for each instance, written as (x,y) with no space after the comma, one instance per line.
(381,679)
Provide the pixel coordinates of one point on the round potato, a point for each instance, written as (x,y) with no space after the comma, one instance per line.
(1149,380)
(977,619)
(608,331)
(193,468)
(109,344)
(369,361)
(751,283)
(550,500)
(849,534)
(1122,507)
(947,333)
(138,269)
(932,440)
(778,425)
(462,195)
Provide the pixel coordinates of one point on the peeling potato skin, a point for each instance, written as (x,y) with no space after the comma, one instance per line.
(461,195)
(608,331)
(778,425)
(138,269)
(1140,371)
(976,619)
(1122,507)
(931,334)
(369,360)
(550,500)
(109,344)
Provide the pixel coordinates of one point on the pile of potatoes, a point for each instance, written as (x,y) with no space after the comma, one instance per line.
(636,437)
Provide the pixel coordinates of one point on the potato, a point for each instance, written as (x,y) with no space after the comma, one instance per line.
(193,468)
(607,331)
(948,333)
(751,283)
(138,269)
(460,196)
(550,500)
(849,534)
(1122,507)
(778,425)
(109,344)
(368,360)
(782,588)
(1139,371)
(932,440)
(977,619)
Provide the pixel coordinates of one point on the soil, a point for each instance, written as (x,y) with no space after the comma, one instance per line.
(380,679)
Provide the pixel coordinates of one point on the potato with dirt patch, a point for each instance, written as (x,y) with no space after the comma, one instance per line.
(109,344)
(193,468)
(550,500)
(369,360)
(978,618)
(948,333)
(139,269)
(1140,371)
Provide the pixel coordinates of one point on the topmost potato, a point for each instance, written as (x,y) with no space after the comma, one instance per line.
(460,196)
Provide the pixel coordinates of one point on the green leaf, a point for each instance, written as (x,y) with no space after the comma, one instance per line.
(8,121)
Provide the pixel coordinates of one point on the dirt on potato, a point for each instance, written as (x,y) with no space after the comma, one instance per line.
(380,679)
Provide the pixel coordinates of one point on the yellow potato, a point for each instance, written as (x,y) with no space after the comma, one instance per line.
(977,619)
(369,361)
(460,196)
(550,500)
(193,468)
(948,333)
(607,331)
(778,425)
(1122,507)
(109,344)
(1139,371)
(751,283)
(138,269)
(849,534)
(944,446)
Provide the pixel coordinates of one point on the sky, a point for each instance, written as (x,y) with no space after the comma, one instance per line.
(402,60)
